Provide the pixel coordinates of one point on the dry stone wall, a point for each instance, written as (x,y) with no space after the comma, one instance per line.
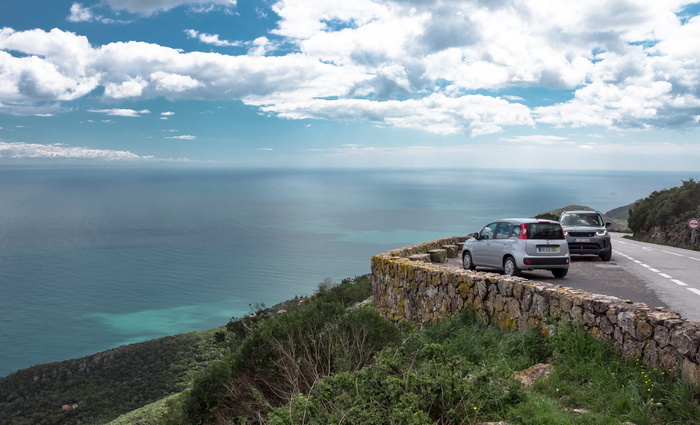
(409,286)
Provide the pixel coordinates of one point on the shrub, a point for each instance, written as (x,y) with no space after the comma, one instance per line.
(287,354)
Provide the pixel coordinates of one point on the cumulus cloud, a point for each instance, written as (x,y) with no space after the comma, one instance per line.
(627,64)
(80,13)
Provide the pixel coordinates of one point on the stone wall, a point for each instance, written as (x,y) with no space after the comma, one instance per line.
(425,292)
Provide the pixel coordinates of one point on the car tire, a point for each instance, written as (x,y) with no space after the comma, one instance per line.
(559,273)
(607,255)
(510,268)
(467,262)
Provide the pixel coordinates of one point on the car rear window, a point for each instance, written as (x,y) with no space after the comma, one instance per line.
(544,231)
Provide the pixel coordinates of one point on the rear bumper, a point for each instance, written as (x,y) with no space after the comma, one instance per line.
(544,263)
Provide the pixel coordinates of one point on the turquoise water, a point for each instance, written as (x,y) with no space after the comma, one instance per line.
(91,259)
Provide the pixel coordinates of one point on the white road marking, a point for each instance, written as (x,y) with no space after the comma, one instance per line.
(697,291)
(664,275)
(647,248)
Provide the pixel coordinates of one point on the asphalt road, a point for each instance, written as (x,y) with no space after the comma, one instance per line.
(655,275)
(672,273)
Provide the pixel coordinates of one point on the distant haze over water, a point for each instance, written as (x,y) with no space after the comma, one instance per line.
(91,258)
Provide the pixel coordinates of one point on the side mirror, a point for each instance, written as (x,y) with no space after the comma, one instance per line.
(476,236)
(608,224)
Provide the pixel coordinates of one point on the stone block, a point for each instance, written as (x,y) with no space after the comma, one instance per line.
(662,336)
(438,255)
(644,330)
(452,250)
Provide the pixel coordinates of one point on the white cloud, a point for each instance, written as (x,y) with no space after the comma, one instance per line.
(40,110)
(80,13)
(210,38)
(169,82)
(121,112)
(627,64)
(19,150)
(183,137)
(437,113)
(149,7)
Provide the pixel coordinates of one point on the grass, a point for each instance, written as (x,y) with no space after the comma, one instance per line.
(461,372)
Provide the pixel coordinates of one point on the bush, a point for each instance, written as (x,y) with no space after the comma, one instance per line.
(287,354)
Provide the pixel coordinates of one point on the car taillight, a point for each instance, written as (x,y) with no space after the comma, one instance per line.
(561,229)
(523,231)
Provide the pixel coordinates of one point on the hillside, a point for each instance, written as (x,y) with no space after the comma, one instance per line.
(98,388)
(662,216)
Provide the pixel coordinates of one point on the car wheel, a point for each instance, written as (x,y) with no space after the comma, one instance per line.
(607,256)
(510,268)
(467,261)
(559,273)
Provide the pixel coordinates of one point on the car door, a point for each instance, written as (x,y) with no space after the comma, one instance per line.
(499,244)
(481,249)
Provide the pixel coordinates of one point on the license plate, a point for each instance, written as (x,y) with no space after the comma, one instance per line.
(547,249)
(581,240)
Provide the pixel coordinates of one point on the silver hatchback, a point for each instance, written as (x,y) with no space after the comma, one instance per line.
(517,244)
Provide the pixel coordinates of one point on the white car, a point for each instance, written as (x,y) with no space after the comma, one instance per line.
(516,244)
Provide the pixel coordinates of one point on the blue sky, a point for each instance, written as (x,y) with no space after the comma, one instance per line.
(607,84)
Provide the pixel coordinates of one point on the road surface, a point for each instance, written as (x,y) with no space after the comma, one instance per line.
(672,273)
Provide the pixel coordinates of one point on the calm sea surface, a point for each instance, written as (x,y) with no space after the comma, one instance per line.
(91,259)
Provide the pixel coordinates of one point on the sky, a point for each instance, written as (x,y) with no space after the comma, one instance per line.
(546,84)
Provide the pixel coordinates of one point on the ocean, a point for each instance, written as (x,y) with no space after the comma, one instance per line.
(94,258)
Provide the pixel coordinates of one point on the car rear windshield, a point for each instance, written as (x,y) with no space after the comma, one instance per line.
(544,231)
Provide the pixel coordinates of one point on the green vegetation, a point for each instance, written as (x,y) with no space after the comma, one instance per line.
(670,207)
(462,372)
(321,363)
(327,360)
(105,385)
(273,359)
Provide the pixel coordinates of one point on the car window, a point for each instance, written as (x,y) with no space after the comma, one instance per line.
(488,231)
(503,231)
(516,231)
(544,231)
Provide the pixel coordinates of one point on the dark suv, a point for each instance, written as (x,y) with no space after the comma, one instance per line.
(587,233)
